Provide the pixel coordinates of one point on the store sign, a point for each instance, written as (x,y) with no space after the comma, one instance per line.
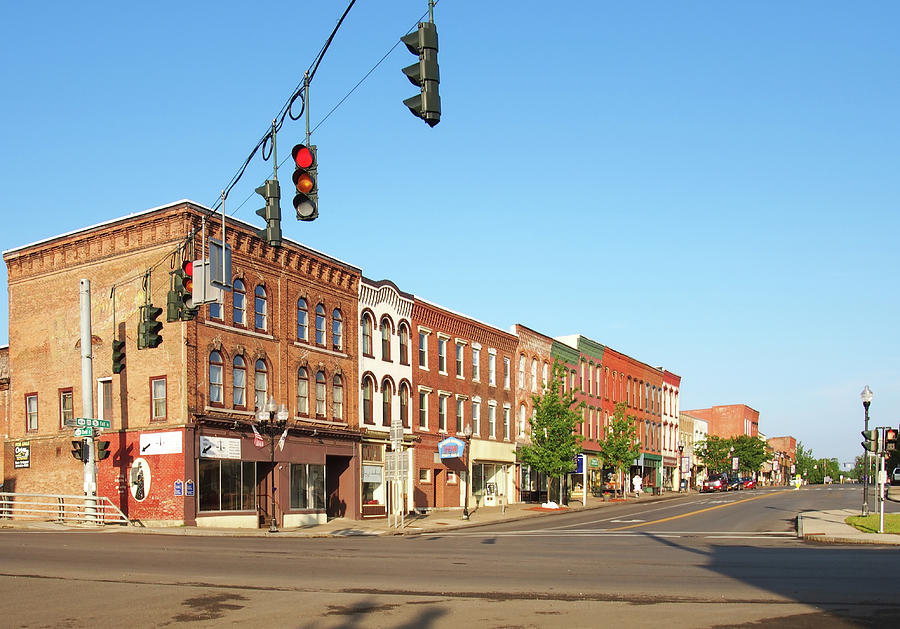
(372,473)
(220,447)
(451,448)
(160,443)
(22,454)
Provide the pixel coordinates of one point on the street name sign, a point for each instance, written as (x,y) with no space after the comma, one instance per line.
(89,422)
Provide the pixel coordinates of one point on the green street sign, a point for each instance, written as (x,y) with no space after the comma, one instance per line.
(84,432)
(89,422)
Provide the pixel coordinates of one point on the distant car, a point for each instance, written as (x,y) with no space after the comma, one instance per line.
(748,483)
(716,482)
(735,483)
(895,476)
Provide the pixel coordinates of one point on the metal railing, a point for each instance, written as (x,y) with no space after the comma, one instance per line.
(59,508)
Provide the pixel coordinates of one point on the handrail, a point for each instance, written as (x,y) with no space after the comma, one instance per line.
(60,508)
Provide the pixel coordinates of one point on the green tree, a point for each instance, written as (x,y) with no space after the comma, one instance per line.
(554,441)
(715,453)
(620,444)
(804,461)
(752,452)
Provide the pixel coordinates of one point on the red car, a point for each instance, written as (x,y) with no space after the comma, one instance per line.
(716,482)
(748,483)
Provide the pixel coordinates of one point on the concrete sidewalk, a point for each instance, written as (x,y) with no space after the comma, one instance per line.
(830,527)
(815,526)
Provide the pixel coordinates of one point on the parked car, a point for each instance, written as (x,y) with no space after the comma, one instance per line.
(716,482)
(735,483)
(895,476)
(748,483)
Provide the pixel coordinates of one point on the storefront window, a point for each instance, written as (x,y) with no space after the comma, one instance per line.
(373,485)
(307,486)
(227,485)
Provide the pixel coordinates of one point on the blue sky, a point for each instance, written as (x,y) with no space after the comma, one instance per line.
(707,186)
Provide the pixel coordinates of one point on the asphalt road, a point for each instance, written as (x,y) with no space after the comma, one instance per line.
(698,561)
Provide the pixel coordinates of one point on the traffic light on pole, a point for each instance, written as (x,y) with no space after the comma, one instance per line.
(102,450)
(118,356)
(78,450)
(424,74)
(149,328)
(306,201)
(871,440)
(890,440)
(188,309)
(271,192)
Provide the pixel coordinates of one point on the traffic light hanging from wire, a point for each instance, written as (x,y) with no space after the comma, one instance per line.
(271,192)
(306,199)
(118,356)
(149,328)
(424,74)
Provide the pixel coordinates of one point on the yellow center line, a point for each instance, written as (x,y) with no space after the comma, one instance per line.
(684,515)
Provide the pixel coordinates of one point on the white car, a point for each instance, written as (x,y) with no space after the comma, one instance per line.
(895,476)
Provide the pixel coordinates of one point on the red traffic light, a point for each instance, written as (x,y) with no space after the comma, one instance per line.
(303,157)
(188,282)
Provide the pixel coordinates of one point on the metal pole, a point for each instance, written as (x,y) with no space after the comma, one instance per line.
(87,392)
(881,494)
(866,467)
(274,527)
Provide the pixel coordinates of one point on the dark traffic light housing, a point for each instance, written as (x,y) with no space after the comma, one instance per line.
(871,440)
(180,300)
(271,192)
(890,440)
(102,450)
(118,356)
(425,73)
(306,199)
(149,328)
(81,450)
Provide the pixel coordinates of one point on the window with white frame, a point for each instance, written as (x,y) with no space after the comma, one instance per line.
(442,354)
(534,366)
(506,372)
(521,371)
(423,349)
(476,363)
(442,412)
(492,367)
(476,417)
(158,398)
(521,420)
(459,359)
(460,414)
(506,422)
(423,409)
(492,420)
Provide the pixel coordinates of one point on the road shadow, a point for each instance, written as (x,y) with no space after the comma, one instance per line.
(369,613)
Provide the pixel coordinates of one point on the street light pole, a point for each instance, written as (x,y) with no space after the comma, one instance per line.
(866,396)
(468,435)
(272,420)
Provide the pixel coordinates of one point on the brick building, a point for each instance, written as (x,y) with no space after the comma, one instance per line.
(183,448)
(533,365)
(670,437)
(462,376)
(729,420)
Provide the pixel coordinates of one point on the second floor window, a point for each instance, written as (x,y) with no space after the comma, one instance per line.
(385,340)
(404,405)
(302,391)
(239,382)
(216,380)
(476,360)
(261,384)
(404,345)
(423,350)
(442,355)
(492,370)
(367,401)
(31,412)
(386,403)
(158,397)
(366,333)
(65,406)
(320,394)
(337,397)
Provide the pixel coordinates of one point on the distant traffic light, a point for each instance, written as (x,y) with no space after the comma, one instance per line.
(102,450)
(871,440)
(271,192)
(424,74)
(118,356)
(149,328)
(78,450)
(306,201)
(890,440)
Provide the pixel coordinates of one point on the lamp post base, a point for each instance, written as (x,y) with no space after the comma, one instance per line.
(273,528)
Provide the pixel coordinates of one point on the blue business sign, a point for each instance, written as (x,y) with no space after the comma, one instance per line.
(579,464)
(451,448)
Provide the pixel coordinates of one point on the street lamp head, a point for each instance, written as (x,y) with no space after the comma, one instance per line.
(468,431)
(283,414)
(271,406)
(866,396)
(262,415)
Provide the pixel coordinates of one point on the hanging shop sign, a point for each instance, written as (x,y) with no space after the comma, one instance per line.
(22,454)
(451,448)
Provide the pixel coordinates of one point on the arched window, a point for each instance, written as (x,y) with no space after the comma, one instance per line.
(521,420)
(302,319)
(367,401)
(320,325)
(521,371)
(404,344)
(239,309)
(337,397)
(336,330)
(261,384)
(386,391)
(320,394)
(215,378)
(239,382)
(534,366)
(546,375)
(302,391)
(385,339)
(366,334)
(260,308)
(404,405)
